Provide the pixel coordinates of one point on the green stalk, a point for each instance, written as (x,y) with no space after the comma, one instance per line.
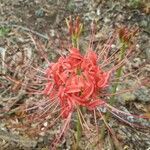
(75,43)
(114,88)
(79,130)
(118,73)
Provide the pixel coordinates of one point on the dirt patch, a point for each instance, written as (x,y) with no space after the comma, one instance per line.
(45,19)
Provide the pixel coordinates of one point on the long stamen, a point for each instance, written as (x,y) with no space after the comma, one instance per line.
(62,132)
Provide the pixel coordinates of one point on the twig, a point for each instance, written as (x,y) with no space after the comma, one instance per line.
(25,29)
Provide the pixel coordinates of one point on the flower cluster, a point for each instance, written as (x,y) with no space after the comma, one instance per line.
(76,80)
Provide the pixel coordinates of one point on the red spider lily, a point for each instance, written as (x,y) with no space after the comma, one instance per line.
(76,80)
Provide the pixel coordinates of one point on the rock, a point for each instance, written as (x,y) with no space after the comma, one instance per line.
(143,94)
(147,52)
(40,12)
(144,23)
(107,20)
(126,97)
(136,62)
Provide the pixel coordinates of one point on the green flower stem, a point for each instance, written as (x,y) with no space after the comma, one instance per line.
(79,130)
(75,41)
(114,88)
(118,73)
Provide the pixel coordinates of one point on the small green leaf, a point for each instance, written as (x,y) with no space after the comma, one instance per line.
(4,31)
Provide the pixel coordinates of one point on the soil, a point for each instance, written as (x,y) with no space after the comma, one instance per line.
(23,22)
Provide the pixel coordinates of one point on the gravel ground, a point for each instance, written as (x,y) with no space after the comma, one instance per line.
(46,19)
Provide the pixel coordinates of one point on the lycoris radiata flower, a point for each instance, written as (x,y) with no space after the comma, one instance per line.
(79,80)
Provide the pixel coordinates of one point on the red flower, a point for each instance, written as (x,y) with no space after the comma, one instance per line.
(77,80)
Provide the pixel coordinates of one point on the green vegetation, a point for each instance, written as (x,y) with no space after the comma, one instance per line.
(135,3)
(4,31)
